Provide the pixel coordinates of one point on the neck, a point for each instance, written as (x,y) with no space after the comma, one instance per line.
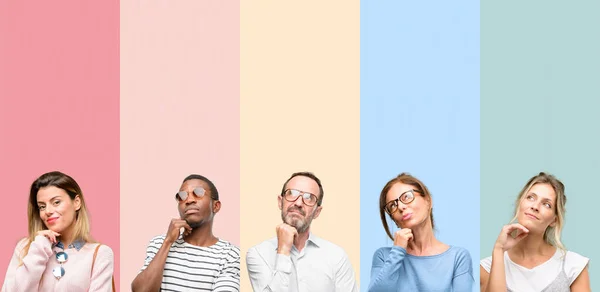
(202,235)
(423,239)
(66,236)
(300,239)
(532,244)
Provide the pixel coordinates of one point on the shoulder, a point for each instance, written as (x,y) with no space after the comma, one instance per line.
(326,244)
(573,257)
(269,244)
(461,259)
(460,253)
(229,248)
(486,263)
(382,251)
(329,249)
(264,250)
(157,240)
(104,249)
(21,244)
(574,264)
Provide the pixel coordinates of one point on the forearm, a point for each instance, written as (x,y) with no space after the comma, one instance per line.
(385,272)
(27,276)
(150,279)
(264,279)
(497,279)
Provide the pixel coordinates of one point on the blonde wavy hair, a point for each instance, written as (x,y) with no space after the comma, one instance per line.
(552,233)
(69,185)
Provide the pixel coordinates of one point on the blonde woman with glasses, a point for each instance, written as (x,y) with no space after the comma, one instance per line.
(528,255)
(59,253)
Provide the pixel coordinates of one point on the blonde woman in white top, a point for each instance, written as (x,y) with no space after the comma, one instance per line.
(528,255)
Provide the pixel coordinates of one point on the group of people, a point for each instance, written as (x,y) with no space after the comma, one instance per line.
(60,255)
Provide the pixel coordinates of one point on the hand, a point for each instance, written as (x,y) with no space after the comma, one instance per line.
(174,230)
(285,238)
(506,241)
(402,237)
(51,235)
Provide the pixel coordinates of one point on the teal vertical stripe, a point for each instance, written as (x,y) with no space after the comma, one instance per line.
(540,111)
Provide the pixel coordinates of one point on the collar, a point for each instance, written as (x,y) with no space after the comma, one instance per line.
(314,240)
(77,244)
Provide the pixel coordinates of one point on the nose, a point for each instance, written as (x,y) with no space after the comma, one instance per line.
(534,206)
(298,202)
(191,198)
(401,206)
(49,210)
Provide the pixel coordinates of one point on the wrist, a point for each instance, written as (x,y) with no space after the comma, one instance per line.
(401,244)
(42,238)
(284,249)
(498,248)
(169,241)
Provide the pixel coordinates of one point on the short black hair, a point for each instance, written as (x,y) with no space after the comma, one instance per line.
(311,176)
(214,194)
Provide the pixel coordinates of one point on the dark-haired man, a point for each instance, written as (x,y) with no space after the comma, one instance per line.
(195,260)
(297,260)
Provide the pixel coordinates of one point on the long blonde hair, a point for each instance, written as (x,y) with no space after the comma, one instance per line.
(69,185)
(552,233)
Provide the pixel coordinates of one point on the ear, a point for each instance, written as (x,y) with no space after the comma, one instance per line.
(216,206)
(553,224)
(317,212)
(280,202)
(77,202)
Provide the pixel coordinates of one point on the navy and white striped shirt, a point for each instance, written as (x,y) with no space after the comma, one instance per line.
(196,268)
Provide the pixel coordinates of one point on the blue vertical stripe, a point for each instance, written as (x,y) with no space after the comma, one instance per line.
(420,114)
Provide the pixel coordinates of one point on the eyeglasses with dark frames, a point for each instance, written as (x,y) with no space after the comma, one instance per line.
(406,198)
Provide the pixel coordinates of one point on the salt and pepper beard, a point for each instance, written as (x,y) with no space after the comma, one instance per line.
(301,225)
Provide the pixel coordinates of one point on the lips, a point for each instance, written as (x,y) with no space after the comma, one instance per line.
(51,220)
(532,216)
(407,216)
(192,211)
(295,211)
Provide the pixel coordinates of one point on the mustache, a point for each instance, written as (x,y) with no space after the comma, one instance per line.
(293,208)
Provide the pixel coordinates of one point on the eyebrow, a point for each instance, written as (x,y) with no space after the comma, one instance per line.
(40,202)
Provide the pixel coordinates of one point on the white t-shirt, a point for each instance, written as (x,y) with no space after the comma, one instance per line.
(545,276)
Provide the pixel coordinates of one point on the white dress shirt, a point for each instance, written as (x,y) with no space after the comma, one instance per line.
(320,266)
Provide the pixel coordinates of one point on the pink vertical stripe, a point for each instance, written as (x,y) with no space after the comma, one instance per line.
(59,109)
(180,114)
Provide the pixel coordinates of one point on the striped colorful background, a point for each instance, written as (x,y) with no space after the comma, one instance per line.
(129,97)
